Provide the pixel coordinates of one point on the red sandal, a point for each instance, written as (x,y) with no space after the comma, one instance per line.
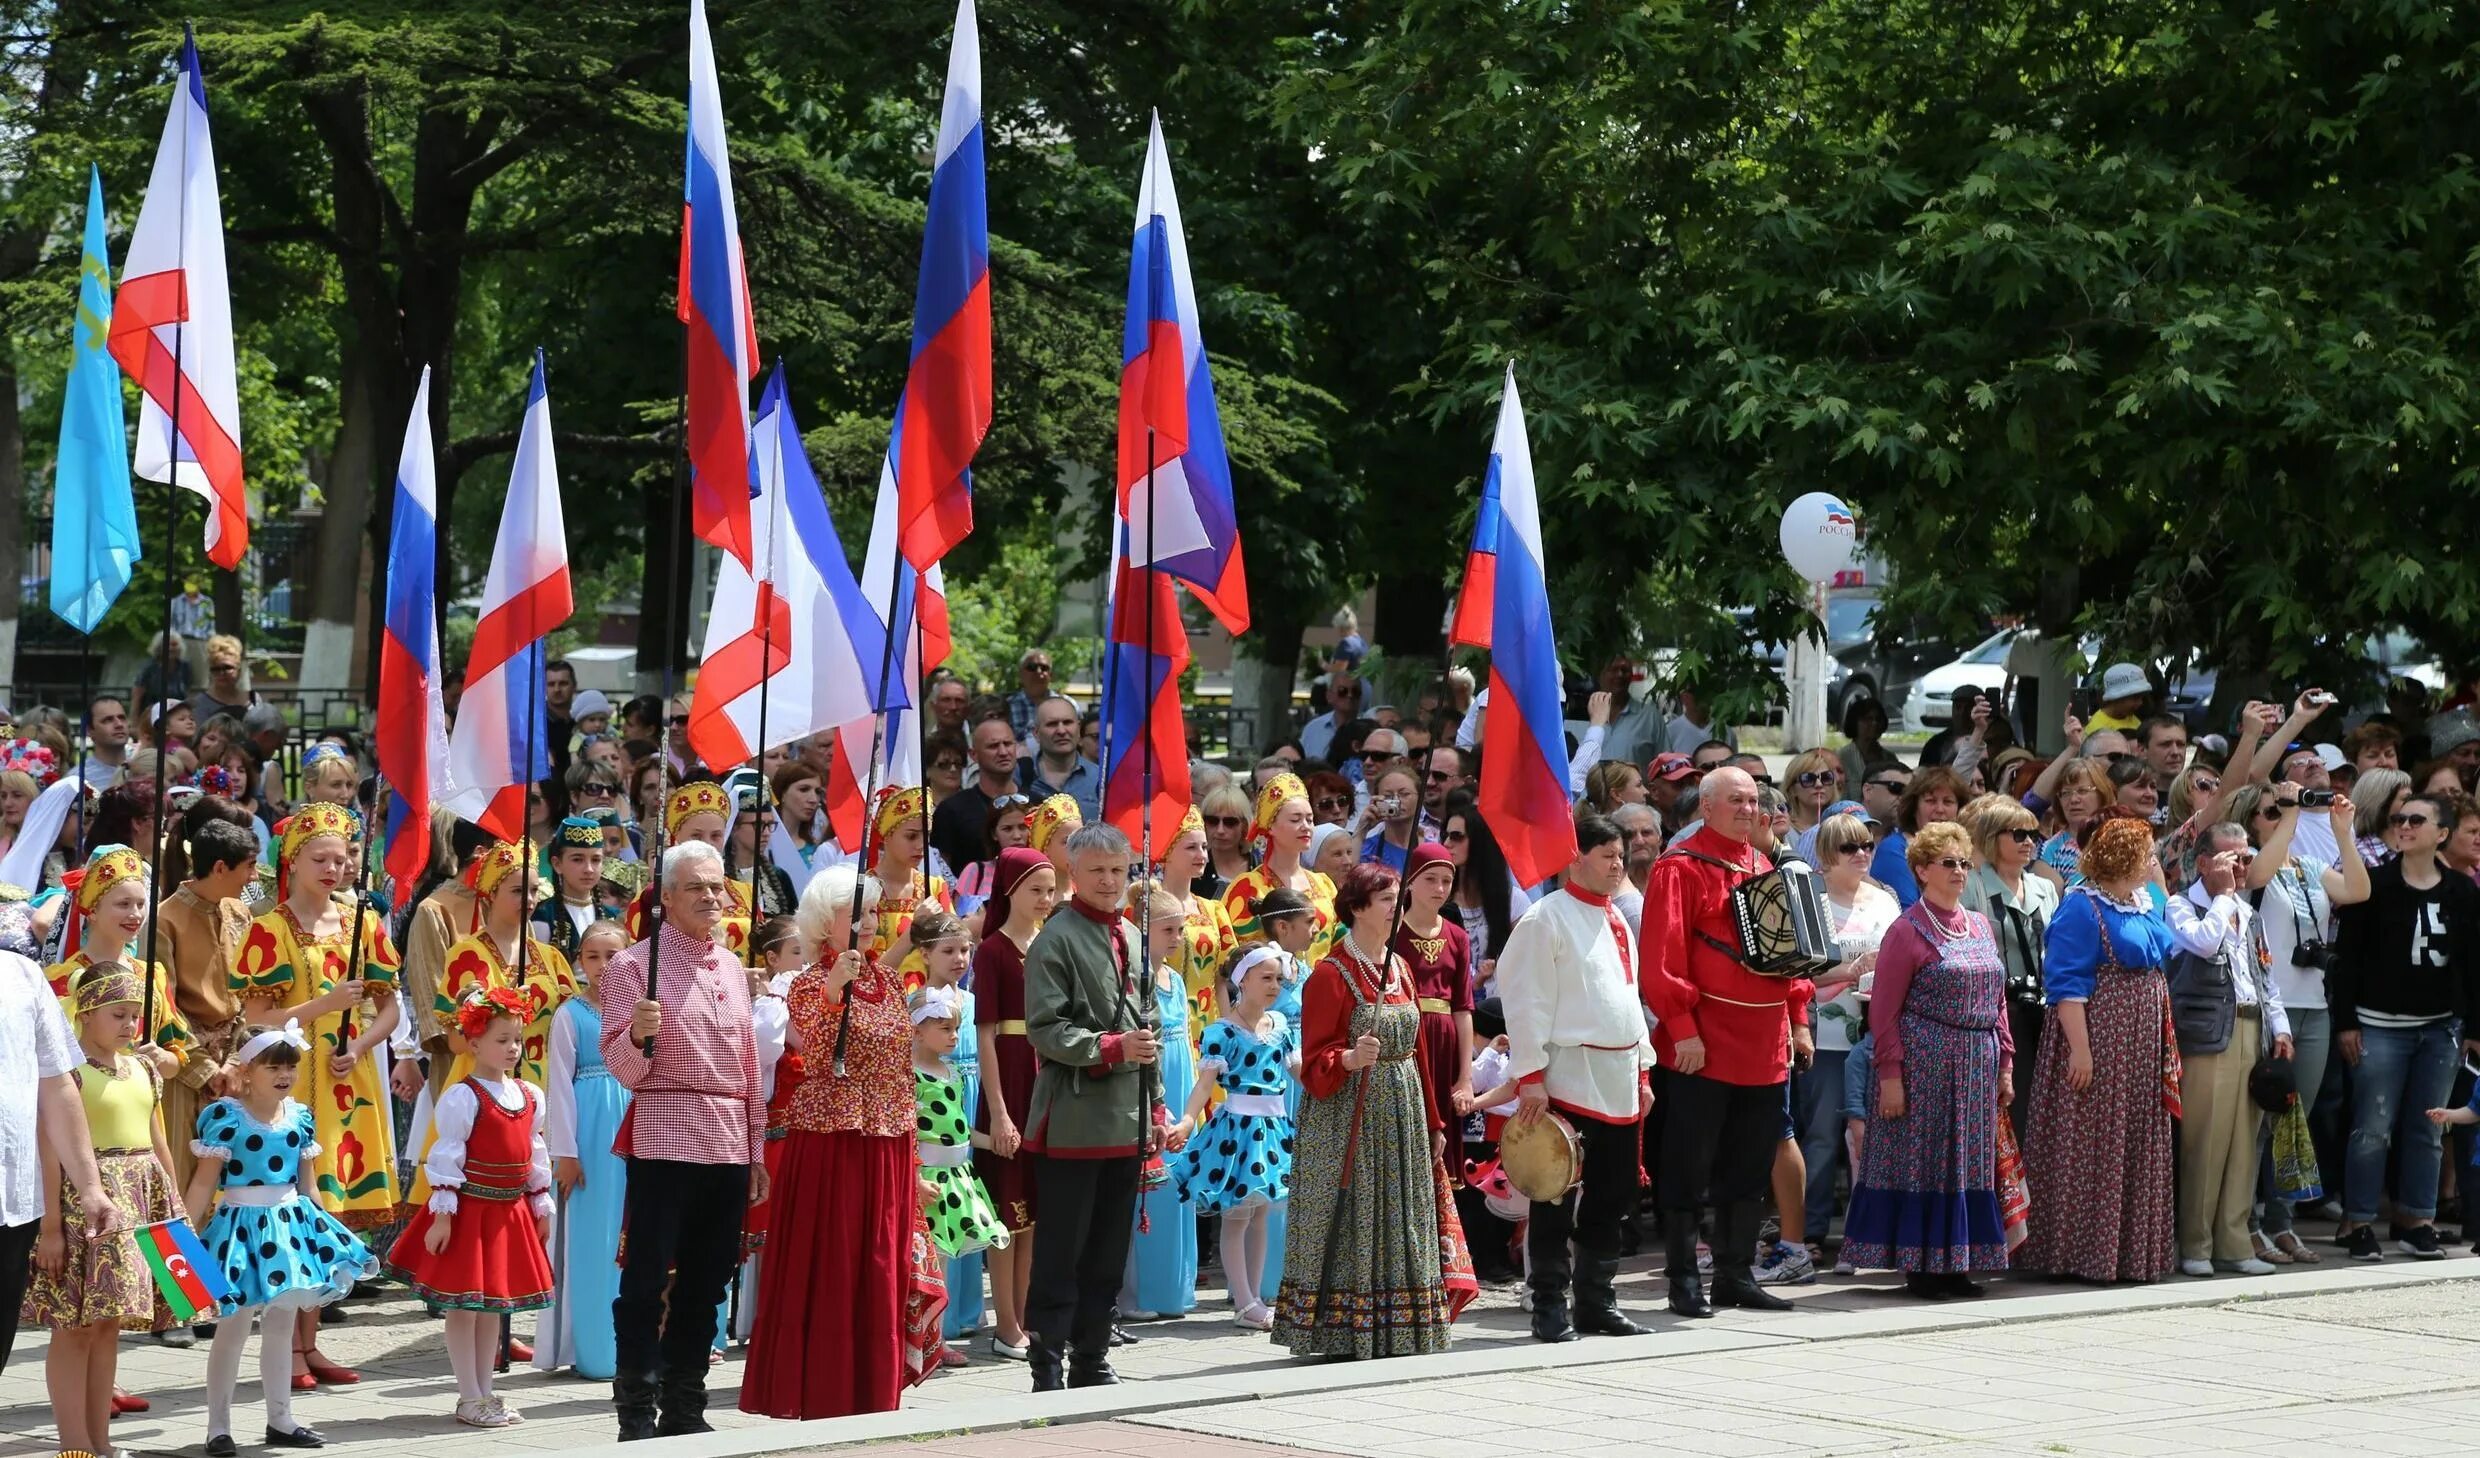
(327,1372)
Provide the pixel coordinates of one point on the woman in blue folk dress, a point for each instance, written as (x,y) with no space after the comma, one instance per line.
(583,1105)
(1162,1259)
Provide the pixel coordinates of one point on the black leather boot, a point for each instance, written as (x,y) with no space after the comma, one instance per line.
(634,1397)
(684,1404)
(1597,1300)
(1091,1369)
(1049,1360)
(1548,1284)
(1735,1248)
(1679,1263)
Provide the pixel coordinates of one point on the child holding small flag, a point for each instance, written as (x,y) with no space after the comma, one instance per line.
(275,1247)
(90,1288)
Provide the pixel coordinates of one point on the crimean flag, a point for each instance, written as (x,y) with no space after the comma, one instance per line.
(185,1275)
(412,733)
(95,547)
(172,324)
(714,306)
(1180,516)
(945,409)
(795,634)
(499,746)
(1524,775)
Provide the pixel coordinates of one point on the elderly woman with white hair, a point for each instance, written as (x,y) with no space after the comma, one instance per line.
(849,1303)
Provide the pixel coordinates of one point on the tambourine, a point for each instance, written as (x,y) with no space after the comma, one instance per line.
(1542,1157)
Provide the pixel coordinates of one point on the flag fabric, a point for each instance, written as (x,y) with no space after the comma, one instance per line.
(1524,773)
(188,1279)
(1143,731)
(919,599)
(714,306)
(95,546)
(945,408)
(1183,522)
(412,733)
(498,748)
(172,324)
(798,623)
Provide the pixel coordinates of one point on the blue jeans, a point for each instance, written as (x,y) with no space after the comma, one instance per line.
(1817,1105)
(2402,1074)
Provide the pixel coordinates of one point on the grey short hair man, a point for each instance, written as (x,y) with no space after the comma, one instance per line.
(686,856)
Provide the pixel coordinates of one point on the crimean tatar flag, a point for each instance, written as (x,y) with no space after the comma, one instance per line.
(95,546)
(1523,792)
(172,324)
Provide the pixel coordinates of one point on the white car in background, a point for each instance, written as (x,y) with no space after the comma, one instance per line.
(1931,701)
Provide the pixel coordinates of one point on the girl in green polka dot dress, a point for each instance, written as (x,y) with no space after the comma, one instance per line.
(961,1218)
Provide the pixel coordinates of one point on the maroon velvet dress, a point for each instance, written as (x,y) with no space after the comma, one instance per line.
(999,1006)
(1442,987)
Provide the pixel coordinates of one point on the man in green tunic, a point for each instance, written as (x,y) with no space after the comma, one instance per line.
(1097,1111)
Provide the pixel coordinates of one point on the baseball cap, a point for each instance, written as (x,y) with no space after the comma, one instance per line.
(1850,807)
(1672,765)
(2330,757)
(2124,681)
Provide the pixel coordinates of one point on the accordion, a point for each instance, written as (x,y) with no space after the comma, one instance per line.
(1785,927)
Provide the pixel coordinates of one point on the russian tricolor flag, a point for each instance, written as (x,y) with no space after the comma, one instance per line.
(1182,523)
(714,305)
(919,624)
(1143,732)
(412,734)
(945,409)
(498,747)
(172,328)
(799,626)
(1505,608)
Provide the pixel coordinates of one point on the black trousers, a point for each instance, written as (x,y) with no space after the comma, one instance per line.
(1717,1141)
(684,1241)
(1089,1215)
(16,1269)
(1591,1216)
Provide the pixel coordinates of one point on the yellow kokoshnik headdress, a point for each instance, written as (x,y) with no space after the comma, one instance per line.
(699,797)
(1051,819)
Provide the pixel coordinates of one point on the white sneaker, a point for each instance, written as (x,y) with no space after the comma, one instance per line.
(2249,1267)
(2195,1268)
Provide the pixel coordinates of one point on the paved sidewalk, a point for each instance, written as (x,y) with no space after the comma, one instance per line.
(1203,1374)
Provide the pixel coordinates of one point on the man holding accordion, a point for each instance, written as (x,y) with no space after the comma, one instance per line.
(1577,1044)
(1725,1035)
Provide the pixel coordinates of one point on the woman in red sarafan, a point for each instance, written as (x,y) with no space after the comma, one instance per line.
(848,1315)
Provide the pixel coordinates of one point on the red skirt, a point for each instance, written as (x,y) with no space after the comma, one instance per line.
(1440,1053)
(495,1260)
(1008,1180)
(851,1292)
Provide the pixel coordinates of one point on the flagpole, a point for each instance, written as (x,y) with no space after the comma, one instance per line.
(361,907)
(163,655)
(1146,1072)
(766,676)
(921,722)
(86,726)
(663,711)
(869,812)
(1429,757)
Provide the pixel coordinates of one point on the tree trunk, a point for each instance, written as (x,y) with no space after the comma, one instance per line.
(336,588)
(12,523)
(1262,667)
(663,591)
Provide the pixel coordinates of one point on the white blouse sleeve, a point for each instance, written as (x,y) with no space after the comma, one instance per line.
(452,1123)
(559,1120)
(538,1164)
(772,1019)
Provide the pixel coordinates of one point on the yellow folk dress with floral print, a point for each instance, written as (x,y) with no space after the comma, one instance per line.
(282,962)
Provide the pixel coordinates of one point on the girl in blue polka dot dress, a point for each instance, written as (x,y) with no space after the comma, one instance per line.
(1238,1161)
(279,1250)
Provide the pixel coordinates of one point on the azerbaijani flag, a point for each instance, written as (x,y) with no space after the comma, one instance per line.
(189,1280)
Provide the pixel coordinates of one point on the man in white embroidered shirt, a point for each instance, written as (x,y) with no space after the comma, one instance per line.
(1577,1044)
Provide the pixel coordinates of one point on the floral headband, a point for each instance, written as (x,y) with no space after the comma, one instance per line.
(486,1006)
(28,757)
(98,987)
(699,797)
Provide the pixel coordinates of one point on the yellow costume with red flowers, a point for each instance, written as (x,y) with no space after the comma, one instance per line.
(698,797)
(1251,886)
(110,866)
(283,963)
(892,917)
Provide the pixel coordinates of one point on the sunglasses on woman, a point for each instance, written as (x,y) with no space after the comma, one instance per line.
(1222,822)
(1334,802)
(1812,779)
(601,787)
(1453,837)
(2024,837)
(1860,848)
(1956,864)
(2407,822)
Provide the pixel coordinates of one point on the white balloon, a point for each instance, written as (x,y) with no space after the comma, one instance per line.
(1818,536)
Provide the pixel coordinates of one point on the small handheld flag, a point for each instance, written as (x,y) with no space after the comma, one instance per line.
(185,1275)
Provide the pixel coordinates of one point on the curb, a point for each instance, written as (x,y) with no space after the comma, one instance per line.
(1137,1399)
